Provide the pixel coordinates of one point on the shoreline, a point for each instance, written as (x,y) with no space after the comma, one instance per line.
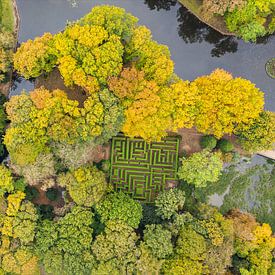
(190,5)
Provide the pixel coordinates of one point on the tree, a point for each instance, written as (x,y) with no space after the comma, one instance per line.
(113,19)
(182,267)
(191,245)
(169,202)
(86,185)
(66,244)
(225,102)
(200,168)
(254,243)
(100,58)
(20,220)
(259,134)
(6,181)
(116,247)
(247,22)
(147,263)
(119,206)
(40,171)
(158,241)
(75,155)
(190,252)
(146,112)
(47,120)
(20,261)
(149,56)
(33,58)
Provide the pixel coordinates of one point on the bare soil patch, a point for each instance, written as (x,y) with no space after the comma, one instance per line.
(54,81)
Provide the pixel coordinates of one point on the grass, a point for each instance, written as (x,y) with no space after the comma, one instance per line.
(6,15)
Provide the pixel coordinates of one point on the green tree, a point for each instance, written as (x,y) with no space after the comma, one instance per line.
(20,260)
(116,247)
(113,19)
(158,240)
(6,181)
(66,244)
(200,168)
(147,263)
(86,185)
(119,206)
(20,219)
(249,21)
(258,135)
(169,202)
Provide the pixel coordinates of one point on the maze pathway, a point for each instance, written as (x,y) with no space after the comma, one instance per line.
(143,169)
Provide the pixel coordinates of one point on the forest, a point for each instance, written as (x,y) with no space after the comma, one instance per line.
(98,181)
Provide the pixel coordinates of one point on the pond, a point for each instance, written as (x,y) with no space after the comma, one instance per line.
(195,48)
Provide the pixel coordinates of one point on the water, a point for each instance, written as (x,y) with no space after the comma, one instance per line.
(195,48)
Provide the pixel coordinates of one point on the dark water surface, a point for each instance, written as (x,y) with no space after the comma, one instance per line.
(195,48)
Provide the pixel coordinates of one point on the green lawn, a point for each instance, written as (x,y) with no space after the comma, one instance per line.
(6,15)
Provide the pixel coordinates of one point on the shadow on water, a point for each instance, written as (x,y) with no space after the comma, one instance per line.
(160,4)
(191,30)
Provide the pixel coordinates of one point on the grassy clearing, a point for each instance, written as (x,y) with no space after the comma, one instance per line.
(6,15)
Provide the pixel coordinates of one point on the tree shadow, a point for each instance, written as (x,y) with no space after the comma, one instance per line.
(160,4)
(192,30)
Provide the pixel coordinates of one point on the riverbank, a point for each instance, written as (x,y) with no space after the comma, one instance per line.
(215,21)
(9,19)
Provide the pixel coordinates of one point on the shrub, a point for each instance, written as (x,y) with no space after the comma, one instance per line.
(46,211)
(52,194)
(31,193)
(208,142)
(225,145)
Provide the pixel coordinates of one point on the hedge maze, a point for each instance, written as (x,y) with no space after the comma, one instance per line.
(143,169)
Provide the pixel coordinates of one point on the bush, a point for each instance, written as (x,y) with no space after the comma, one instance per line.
(208,142)
(52,194)
(225,146)
(31,193)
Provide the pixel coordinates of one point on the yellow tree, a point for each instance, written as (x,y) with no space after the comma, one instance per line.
(35,57)
(225,102)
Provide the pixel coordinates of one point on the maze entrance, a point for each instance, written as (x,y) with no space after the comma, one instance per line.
(143,169)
